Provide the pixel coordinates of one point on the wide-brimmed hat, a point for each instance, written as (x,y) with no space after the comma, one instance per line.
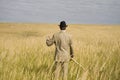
(63,24)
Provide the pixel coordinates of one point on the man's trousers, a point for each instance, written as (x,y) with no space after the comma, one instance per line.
(61,66)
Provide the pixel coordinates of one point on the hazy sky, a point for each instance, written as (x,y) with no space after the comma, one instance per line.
(53,11)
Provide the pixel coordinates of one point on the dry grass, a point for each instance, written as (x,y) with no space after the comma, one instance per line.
(25,56)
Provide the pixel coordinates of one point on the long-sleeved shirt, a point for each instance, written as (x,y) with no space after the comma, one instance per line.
(63,46)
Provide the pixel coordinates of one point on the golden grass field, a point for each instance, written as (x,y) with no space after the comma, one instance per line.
(25,56)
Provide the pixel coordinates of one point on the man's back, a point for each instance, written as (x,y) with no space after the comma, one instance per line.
(62,42)
(63,51)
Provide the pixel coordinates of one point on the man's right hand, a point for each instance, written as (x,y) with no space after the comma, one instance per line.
(72,56)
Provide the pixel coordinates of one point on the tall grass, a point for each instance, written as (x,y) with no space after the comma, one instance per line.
(25,56)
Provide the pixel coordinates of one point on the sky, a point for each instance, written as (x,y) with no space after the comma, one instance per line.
(54,11)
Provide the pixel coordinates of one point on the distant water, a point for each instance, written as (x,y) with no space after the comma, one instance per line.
(53,11)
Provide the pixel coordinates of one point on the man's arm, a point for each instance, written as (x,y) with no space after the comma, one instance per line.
(71,51)
(71,48)
(50,41)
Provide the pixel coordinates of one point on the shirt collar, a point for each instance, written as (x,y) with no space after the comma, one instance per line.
(63,31)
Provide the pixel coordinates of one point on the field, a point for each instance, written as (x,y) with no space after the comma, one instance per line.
(25,56)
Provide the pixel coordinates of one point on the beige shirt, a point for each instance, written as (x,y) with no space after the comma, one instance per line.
(63,46)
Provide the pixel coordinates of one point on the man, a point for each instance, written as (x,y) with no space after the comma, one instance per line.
(63,52)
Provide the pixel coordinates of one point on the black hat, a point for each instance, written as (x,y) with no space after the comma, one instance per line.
(63,24)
